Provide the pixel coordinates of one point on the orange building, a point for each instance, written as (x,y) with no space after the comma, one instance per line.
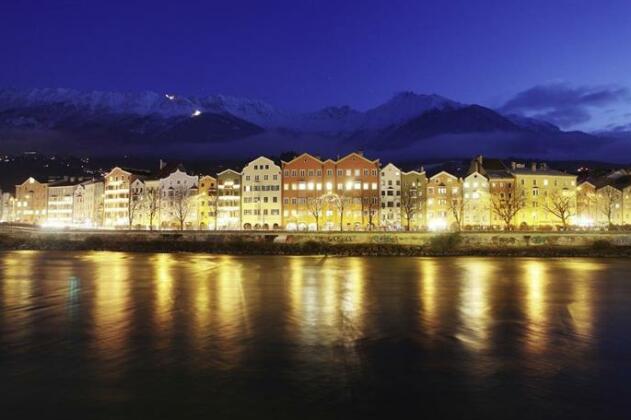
(330,195)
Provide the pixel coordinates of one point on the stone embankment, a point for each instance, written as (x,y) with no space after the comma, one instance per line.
(323,243)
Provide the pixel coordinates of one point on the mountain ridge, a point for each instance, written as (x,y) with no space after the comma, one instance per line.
(406,123)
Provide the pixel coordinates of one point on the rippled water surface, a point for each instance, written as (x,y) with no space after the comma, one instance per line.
(115,335)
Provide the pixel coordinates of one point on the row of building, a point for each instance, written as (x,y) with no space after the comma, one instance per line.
(308,193)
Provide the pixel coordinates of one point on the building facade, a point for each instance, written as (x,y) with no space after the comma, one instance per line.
(261,199)
(61,196)
(331,195)
(207,203)
(544,192)
(179,200)
(7,207)
(587,210)
(444,202)
(413,200)
(31,202)
(477,201)
(228,200)
(390,197)
(88,204)
(116,199)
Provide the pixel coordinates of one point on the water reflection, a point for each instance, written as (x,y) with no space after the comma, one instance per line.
(474,301)
(535,280)
(111,284)
(305,320)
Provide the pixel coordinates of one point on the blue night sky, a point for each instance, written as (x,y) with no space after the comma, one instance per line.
(568,61)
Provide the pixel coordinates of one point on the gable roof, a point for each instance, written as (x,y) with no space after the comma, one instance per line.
(303,155)
(359,155)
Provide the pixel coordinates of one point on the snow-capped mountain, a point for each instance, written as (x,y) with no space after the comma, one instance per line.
(333,119)
(407,123)
(138,103)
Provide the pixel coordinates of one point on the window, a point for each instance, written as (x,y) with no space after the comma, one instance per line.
(349,172)
(357,172)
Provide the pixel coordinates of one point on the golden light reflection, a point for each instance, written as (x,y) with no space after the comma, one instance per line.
(163,285)
(18,278)
(296,285)
(474,302)
(429,274)
(352,299)
(111,303)
(232,321)
(581,273)
(326,299)
(17,291)
(535,279)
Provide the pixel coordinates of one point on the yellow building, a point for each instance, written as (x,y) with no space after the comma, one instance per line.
(609,206)
(116,201)
(31,202)
(549,197)
(207,205)
(587,213)
(477,201)
(444,202)
(414,200)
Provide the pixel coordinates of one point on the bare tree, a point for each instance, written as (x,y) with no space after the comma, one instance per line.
(183,205)
(315,206)
(152,204)
(561,206)
(456,207)
(409,204)
(135,207)
(608,198)
(507,205)
(340,203)
(370,208)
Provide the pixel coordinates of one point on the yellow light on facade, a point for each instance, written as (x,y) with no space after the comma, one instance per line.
(437,224)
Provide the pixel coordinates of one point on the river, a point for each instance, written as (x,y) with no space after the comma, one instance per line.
(138,335)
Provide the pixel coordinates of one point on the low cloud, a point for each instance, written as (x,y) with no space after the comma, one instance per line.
(563,104)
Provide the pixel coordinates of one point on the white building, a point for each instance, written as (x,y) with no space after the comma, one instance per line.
(228,200)
(261,195)
(61,202)
(476,201)
(390,196)
(179,200)
(88,204)
(7,207)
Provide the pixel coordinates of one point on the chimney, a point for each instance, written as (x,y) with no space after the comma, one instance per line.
(162,164)
(543,166)
(533,166)
(513,166)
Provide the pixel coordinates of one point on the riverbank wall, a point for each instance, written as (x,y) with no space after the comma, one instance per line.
(331,243)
